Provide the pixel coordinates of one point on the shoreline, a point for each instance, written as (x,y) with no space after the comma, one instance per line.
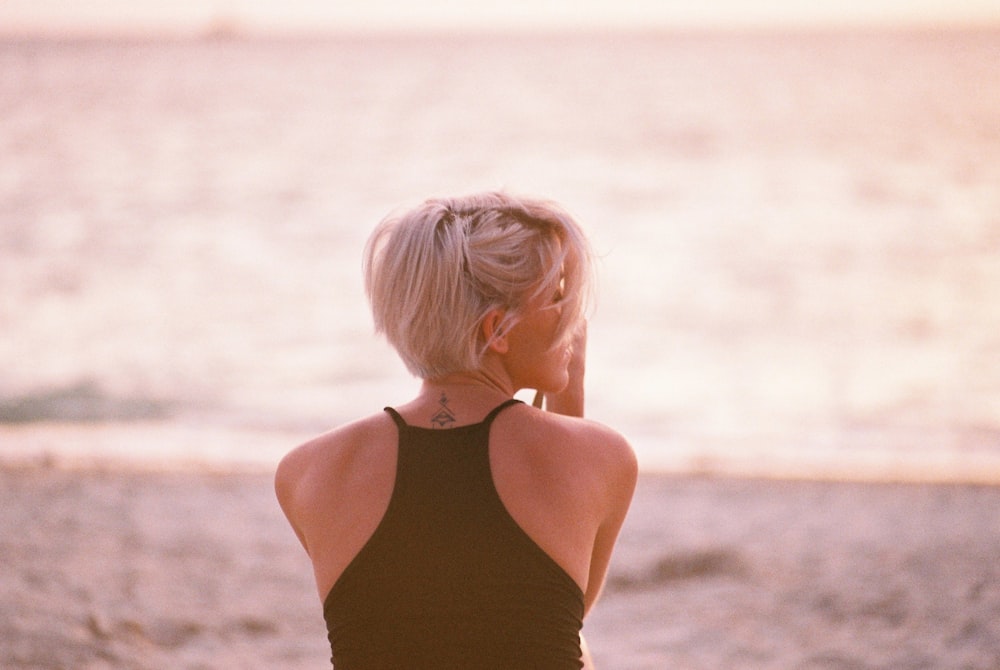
(158,446)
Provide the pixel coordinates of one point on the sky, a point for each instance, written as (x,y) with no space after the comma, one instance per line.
(180,16)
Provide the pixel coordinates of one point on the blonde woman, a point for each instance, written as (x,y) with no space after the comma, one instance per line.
(465,529)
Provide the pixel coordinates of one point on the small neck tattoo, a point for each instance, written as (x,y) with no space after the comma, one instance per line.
(443,417)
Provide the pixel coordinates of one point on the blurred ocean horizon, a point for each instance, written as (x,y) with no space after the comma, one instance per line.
(799,236)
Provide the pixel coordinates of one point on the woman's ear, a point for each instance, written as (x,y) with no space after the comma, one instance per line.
(495,339)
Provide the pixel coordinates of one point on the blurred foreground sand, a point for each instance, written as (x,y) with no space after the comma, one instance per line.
(126,569)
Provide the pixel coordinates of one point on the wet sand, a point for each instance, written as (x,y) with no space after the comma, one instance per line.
(137,570)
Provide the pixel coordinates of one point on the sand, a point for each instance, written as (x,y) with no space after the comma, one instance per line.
(138,569)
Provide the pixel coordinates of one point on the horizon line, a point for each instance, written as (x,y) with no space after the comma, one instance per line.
(233,29)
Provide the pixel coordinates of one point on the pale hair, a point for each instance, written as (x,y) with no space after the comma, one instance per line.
(433,273)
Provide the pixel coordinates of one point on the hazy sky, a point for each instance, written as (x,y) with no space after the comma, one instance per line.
(195,15)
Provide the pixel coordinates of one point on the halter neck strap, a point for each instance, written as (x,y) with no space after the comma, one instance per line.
(401,423)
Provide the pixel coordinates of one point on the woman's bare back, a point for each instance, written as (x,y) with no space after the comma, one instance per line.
(566,482)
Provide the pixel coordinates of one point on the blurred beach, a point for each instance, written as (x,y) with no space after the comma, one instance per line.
(797,326)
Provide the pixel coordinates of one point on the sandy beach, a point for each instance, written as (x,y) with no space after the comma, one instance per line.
(134,569)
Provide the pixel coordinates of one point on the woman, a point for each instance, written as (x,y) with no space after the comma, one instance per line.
(465,529)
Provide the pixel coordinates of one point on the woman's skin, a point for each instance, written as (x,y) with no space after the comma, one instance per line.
(565,480)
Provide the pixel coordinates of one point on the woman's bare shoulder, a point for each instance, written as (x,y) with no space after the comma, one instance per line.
(326,484)
(608,453)
(583,432)
(572,442)
(568,483)
(336,452)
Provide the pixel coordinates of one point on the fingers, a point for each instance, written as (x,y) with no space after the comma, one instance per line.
(539,399)
(578,346)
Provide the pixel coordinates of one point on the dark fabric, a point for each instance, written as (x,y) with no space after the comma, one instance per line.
(449,580)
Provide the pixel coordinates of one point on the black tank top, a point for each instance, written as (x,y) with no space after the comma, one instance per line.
(448,580)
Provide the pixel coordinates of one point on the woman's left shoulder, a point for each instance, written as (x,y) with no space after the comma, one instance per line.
(317,466)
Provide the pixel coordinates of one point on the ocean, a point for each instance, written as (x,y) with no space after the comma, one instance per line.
(799,236)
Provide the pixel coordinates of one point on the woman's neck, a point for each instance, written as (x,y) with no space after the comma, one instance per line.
(459,398)
(473,386)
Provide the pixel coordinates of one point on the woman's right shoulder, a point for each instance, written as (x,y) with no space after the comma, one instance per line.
(608,451)
(579,440)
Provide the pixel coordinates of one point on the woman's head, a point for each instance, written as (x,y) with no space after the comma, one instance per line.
(433,274)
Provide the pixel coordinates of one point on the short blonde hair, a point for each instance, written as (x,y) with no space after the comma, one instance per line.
(433,273)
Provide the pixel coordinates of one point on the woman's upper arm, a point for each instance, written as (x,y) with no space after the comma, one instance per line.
(620,472)
(287,480)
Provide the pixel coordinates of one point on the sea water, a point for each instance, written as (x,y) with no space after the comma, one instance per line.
(798,233)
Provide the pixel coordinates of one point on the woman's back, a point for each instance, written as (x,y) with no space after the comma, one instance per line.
(486,541)
(449,579)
